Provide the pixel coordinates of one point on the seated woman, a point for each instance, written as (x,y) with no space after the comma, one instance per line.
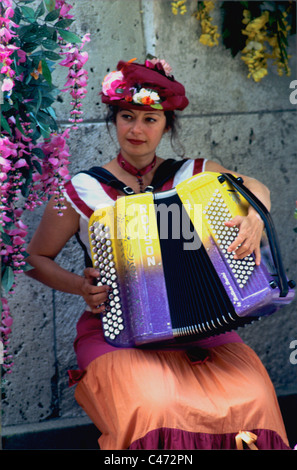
(162,397)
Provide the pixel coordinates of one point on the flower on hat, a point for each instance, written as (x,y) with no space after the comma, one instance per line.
(113,85)
(147,97)
(156,63)
(149,85)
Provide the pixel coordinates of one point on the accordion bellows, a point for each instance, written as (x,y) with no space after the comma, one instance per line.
(165,257)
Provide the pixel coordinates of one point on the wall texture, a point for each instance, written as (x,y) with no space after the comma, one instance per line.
(247,126)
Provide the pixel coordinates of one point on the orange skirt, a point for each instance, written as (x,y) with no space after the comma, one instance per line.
(158,399)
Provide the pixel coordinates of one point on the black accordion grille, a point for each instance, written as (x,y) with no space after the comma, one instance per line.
(197,298)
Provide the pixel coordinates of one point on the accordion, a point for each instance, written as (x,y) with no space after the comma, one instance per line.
(165,258)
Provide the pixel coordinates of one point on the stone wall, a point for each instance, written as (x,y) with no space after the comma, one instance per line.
(249,127)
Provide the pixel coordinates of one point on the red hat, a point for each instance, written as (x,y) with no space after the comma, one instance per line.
(143,86)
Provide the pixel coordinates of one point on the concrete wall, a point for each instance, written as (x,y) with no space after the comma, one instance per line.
(247,126)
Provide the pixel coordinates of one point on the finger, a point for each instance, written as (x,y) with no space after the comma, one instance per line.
(237,220)
(100,297)
(91,273)
(91,290)
(98,309)
(243,251)
(236,244)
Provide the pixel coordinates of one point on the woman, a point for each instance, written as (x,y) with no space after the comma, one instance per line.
(163,397)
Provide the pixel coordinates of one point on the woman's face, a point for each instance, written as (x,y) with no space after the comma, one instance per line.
(139,132)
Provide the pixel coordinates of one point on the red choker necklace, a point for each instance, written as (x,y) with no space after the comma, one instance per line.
(136,171)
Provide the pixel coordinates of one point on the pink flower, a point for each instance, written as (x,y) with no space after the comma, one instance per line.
(7,84)
(113,84)
(22,56)
(159,64)
(5,164)
(64,8)
(7,3)
(21,163)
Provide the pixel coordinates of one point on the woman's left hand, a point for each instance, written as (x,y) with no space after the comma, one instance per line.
(249,236)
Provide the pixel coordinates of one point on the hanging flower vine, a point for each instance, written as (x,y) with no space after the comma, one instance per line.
(34,154)
(257,30)
(209,32)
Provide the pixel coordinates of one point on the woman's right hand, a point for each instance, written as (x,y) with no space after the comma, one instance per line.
(94,295)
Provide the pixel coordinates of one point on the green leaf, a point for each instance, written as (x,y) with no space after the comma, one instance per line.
(7,279)
(27,267)
(18,125)
(44,129)
(64,23)
(51,55)
(39,10)
(37,166)
(39,99)
(28,12)
(5,125)
(52,15)
(50,4)
(6,239)
(49,44)
(68,36)
(46,71)
(29,46)
(156,106)
(38,152)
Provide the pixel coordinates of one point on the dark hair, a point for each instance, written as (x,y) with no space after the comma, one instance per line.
(172,123)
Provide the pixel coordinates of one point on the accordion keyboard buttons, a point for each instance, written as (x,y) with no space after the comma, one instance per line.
(217,213)
(103,259)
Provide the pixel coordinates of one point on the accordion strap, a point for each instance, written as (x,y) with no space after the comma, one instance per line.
(164,172)
(269,226)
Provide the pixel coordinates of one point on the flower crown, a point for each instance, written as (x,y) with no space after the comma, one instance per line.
(116,87)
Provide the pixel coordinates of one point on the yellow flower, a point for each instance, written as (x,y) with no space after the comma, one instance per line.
(179,7)
(254,53)
(209,35)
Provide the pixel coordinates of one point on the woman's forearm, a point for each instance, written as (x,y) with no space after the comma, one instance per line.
(48,272)
(260,190)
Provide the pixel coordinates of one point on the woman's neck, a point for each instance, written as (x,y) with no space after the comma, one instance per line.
(138,161)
